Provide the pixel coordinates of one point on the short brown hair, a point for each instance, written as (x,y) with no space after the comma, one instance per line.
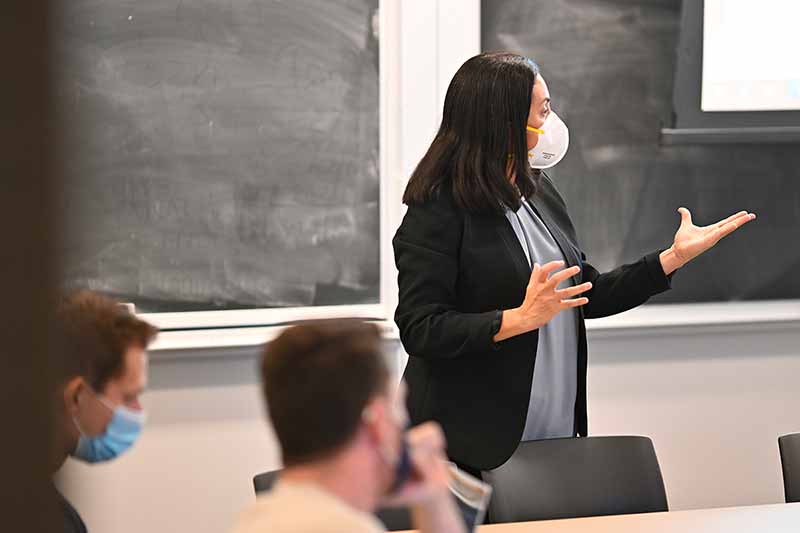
(318,377)
(93,334)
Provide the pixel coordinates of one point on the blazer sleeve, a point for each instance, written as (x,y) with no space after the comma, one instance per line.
(426,251)
(625,287)
(618,290)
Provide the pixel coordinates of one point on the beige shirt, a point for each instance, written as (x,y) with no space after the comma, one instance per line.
(304,508)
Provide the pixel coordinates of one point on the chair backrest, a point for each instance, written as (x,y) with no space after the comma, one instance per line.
(576,477)
(790,462)
(263,482)
(394,519)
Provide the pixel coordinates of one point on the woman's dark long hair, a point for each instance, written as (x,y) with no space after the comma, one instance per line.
(482,137)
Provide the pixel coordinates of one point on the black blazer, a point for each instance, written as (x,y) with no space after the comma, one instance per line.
(457,273)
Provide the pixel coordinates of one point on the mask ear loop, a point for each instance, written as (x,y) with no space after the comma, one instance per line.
(531,129)
(78,426)
(75,417)
(98,398)
(108,405)
(103,401)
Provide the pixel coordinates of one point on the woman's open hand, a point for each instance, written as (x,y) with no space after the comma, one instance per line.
(543,300)
(691,241)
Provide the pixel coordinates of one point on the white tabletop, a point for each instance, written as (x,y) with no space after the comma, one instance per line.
(760,518)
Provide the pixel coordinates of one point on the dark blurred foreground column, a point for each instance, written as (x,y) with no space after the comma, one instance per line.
(28,268)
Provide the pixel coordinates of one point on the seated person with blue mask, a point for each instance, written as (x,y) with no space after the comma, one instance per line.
(341,422)
(101,363)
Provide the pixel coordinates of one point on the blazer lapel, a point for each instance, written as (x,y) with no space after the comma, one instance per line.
(567,249)
(512,244)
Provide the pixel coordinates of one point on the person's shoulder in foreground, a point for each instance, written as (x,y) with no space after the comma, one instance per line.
(340,420)
(304,507)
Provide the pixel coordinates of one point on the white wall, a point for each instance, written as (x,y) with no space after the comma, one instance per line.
(714,401)
(437,37)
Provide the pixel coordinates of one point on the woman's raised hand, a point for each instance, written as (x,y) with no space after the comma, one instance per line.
(691,241)
(543,299)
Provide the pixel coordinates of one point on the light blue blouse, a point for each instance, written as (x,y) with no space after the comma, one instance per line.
(551,411)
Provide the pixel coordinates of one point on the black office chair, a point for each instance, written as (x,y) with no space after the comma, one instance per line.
(790,462)
(263,482)
(570,478)
(394,519)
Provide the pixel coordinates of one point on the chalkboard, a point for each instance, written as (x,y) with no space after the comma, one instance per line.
(221,153)
(610,66)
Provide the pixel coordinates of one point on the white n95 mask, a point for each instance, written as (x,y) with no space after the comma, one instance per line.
(552,145)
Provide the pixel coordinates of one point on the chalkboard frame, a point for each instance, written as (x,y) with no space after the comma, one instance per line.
(644,320)
(701,314)
(389,207)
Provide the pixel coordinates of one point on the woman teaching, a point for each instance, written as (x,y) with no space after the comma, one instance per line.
(493,287)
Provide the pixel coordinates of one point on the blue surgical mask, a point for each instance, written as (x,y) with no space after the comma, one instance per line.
(120,434)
